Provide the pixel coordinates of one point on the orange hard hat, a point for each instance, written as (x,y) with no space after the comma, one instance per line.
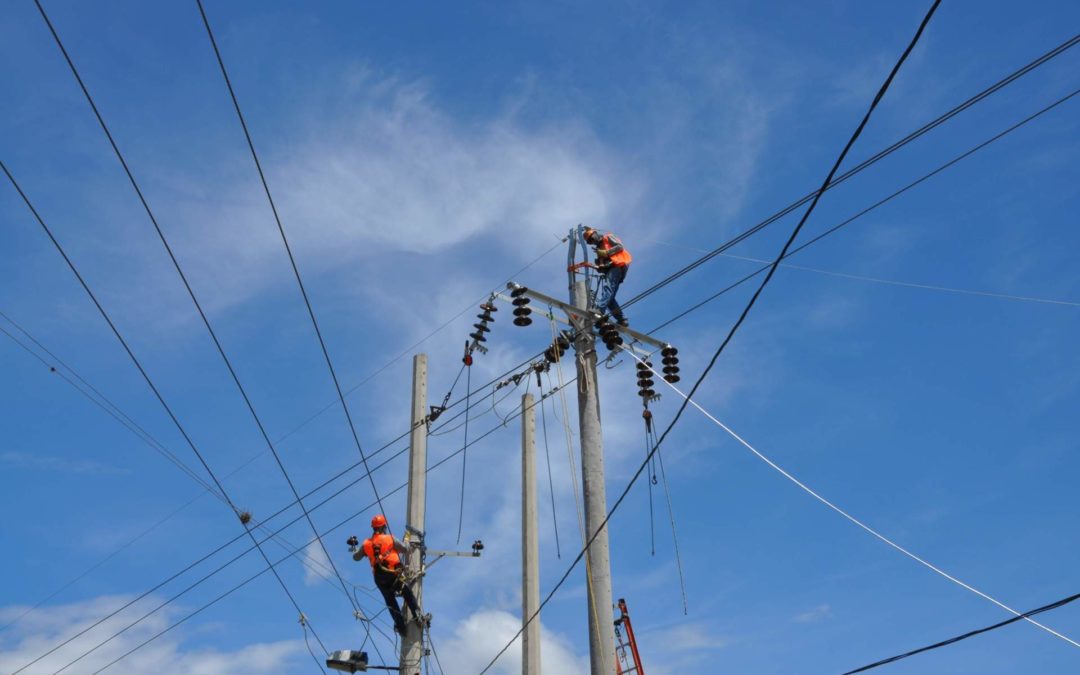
(378,521)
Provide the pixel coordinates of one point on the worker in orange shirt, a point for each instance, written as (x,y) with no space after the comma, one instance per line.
(613,262)
(384,552)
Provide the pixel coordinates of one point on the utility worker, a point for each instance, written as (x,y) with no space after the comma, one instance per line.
(613,262)
(383,551)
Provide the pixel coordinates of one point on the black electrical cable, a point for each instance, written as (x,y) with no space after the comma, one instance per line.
(411,348)
(102,402)
(750,276)
(288,250)
(274,515)
(875,205)
(146,377)
(997,86)
(139,432)
(731,333)
(958,638)
(191,294)
(325,533)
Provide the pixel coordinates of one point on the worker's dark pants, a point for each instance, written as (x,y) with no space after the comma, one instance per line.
(389,584)
(612,278)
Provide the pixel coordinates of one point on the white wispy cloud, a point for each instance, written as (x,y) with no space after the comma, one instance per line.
(38,631)
(39,462)
(819,613)
(314,561)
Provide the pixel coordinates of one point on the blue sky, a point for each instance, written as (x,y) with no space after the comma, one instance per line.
(419,155)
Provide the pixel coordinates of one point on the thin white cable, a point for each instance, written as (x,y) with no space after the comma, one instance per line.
(853,519)
(889,282)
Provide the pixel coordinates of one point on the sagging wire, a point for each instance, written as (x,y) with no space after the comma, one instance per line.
(651,441)
(318,663)
(547,455)
(468,387)
(368,624)
(514,380)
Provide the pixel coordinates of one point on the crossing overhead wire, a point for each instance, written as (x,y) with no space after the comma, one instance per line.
(969,634)
(187,286)
(142,371)
(275,515)
(195,584)
(288,248)
(411,348)
(927,287)
(98,399)
(146,437)
(933,124)
(325,533)
(881,202)
(836,165)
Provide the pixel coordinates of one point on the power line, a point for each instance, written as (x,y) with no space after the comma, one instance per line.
(288,249)
(101,401)
(264,522)
(444,460)
(731,333)
(958,638)
(997,86)
(889,282)
(190,291)
(875,205)
(142,371)
(837,227)
(146,437)
(992,89)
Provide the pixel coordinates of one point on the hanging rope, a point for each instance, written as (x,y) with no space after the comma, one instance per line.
(303,624)
(465,448)
(650,483)
(650,435)
(547,454)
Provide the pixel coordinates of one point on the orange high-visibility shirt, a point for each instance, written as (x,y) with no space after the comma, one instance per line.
(380,550)
(621,257)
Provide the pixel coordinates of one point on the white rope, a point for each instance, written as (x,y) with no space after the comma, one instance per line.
(855,520)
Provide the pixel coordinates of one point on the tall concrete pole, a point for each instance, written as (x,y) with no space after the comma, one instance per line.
(412,643)
(530,554)
(598,559)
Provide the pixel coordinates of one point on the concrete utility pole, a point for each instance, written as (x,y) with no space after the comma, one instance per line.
(530,554)
(597,559)
(412,643)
